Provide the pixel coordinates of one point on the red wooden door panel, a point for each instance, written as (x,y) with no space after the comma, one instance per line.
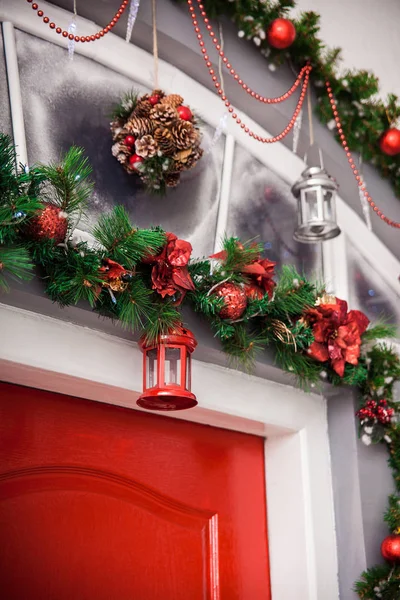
(104,503)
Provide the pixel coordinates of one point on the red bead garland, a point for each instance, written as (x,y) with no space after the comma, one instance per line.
(228,65)
(356,174)
(82,38)
(304,72)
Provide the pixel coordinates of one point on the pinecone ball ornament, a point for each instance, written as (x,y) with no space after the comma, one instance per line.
(155,129)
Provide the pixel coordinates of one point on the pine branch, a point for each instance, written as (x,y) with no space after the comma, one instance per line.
(16,262)
(134,306)
(125,107)
(73,276)
(122,242)
(163,318)
(67,183)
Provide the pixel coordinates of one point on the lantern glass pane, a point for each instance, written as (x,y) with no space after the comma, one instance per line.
(311,205)
(172,366)
(328,195)
(188,371)
(151,368)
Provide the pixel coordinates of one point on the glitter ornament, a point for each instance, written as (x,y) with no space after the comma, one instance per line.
(235,300)
(281,34)
(390,548)
(51,223)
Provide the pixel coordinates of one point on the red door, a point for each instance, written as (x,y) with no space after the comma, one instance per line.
(105,503)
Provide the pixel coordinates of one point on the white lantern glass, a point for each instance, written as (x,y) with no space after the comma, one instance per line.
(316,195)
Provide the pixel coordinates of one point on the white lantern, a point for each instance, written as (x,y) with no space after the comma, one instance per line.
(316,196)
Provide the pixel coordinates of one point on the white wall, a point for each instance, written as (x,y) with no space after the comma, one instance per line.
(368,33)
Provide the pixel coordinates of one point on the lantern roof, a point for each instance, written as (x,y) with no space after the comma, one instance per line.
(178,335)
(314,176)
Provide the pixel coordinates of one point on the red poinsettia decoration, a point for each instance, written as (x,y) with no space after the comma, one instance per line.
(170,273)
(260,274)
(337,333)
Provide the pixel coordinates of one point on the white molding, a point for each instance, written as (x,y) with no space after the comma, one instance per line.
(225,191)
(335,267)
(14,92)
(75,360)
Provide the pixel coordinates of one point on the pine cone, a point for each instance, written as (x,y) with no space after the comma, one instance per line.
(139,126)
(116,128)
(173,100)
(184,135)
(194,157)
(142,109)
(164,140)
(172,179)
(163,114)
(115,149)
(183,155)
(146,147)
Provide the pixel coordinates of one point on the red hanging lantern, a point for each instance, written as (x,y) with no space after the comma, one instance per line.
(167,371)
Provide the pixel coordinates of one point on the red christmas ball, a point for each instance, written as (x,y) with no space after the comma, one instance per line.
(129,141)
(281,34)
(235,300)
(185,113)
(390,548)
(135,161)
(51,223)
(389,142)
(155,99)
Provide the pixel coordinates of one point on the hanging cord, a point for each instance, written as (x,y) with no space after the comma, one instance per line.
(155,44)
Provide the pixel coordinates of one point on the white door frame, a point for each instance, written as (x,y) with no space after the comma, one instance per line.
(46,353)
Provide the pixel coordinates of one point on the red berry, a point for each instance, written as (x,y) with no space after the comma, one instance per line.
(129,141)
(185,113)
(155,99)
(135,160)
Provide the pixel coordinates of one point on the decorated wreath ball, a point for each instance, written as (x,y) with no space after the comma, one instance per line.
(156,137)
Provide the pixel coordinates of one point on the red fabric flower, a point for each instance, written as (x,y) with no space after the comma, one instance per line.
(337,333)
(261,273)
(170,273)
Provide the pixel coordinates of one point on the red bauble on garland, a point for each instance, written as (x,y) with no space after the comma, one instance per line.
(389,142)
(185,113)
(281,34)
(51,223)
(235,300)
(390,548)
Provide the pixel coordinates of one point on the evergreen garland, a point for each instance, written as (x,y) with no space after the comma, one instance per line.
(364,117)
(139,277)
